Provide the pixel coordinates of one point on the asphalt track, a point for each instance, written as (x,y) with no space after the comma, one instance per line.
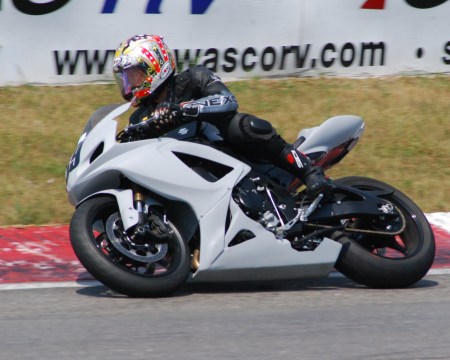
(328,319)
(51,309)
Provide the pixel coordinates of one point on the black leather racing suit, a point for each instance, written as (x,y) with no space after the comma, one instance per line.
(246,134)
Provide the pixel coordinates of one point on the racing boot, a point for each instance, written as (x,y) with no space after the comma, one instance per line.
(312,176)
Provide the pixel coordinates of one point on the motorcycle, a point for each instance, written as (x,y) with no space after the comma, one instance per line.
(154,212)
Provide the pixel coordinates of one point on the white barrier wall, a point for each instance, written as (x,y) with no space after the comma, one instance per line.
(73,41)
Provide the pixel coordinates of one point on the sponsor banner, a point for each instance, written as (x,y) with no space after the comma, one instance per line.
(73,41)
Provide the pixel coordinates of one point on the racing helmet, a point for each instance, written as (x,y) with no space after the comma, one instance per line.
(141,65)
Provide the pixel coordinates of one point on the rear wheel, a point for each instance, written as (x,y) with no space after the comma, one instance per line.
(153,265)
(386,261)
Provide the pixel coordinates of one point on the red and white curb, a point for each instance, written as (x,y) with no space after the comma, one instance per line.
(440,220)
(41,257)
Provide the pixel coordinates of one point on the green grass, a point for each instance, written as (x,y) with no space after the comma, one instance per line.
(406,142)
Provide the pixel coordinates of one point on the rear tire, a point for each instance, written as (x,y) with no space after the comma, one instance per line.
(111,267)
(363,258)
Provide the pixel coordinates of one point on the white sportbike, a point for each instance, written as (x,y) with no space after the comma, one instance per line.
(154,212)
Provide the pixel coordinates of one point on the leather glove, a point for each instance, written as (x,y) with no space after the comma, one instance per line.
(166,115)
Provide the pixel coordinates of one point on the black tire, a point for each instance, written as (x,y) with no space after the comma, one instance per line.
(115,270)
(363,258)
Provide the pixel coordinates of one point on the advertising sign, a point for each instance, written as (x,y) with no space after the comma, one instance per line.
(73,41)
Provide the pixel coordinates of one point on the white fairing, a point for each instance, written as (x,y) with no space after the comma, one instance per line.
(331,133)
(261,258)
(154,164)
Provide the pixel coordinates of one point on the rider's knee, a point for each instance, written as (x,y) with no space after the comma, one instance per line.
(246,127)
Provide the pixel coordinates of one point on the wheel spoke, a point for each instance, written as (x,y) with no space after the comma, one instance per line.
(397,246)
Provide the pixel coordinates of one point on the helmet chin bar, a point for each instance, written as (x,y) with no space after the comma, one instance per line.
(139,96)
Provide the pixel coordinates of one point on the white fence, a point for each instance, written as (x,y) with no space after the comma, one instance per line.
(73,41)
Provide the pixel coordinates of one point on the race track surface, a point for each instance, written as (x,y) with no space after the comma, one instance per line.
(330,319)
(51,309)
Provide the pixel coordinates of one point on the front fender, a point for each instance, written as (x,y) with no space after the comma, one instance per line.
(124,199)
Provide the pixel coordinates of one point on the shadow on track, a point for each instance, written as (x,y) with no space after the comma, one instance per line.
(190,288)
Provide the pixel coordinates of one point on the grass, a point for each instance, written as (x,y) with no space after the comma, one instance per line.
(406,142)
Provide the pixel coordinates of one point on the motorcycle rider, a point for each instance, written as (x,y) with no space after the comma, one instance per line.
(145,71)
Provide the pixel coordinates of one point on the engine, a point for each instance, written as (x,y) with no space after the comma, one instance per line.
(265,202)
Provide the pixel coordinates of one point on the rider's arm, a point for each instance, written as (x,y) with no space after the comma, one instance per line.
(212,100)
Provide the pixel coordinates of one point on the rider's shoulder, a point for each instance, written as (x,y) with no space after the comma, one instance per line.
(193,72)
(197,77)
(203,76)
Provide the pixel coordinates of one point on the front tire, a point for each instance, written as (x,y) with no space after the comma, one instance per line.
(126,275)
(381,261)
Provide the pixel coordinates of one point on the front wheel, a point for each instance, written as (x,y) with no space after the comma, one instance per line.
(382,261)
(151,266)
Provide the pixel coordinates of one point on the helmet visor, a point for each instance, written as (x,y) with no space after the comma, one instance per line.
(129,80)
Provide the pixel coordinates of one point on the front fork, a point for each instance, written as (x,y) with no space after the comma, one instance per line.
(150,226)
(139,205)
(141,228)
